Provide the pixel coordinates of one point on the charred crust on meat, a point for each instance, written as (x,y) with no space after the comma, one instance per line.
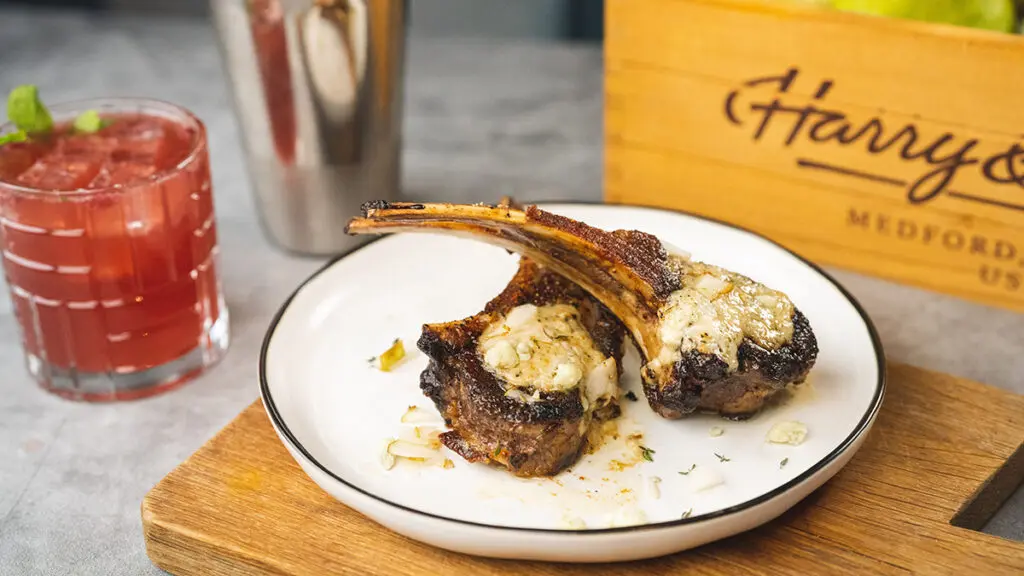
(791,362)
(367,207)
(639,251)
(372,205)
(431,385)
(538,438)
(702,382)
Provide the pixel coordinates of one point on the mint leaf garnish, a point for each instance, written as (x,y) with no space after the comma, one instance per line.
(89,122)
(19,136)
(27,112)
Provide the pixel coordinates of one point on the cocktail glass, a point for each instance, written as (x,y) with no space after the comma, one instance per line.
(109,249)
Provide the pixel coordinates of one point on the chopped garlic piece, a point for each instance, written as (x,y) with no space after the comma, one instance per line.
(524,350)
(521,315)
(392,356)
(712,286)
(791,432)
(716,431)
(387,460)
(602,382)
(704,478)
(567,375)
(412,450)
(502,355)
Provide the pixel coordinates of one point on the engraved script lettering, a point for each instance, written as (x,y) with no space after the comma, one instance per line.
(942,157)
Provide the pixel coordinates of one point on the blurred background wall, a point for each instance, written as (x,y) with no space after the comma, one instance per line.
(579,20)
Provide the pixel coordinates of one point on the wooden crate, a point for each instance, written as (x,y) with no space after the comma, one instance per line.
(885,146)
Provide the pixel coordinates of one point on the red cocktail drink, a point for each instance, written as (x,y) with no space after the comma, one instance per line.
(110,249)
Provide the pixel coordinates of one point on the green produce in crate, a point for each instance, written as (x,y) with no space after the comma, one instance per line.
(998,15)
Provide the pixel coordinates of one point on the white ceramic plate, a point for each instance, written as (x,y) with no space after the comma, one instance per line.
(333,410)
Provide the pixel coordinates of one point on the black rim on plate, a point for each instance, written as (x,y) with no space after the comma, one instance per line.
(869,415)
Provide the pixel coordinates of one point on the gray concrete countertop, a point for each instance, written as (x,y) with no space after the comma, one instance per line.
(482,119)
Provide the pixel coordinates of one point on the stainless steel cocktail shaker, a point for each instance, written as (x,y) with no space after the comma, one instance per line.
(318,89)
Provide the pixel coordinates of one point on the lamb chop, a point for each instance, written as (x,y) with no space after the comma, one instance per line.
(711,340)
(528,382)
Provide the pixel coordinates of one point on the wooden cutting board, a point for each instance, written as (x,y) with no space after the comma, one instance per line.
(944,454)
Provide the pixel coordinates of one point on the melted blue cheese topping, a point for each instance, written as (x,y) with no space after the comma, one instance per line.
(546,348)
(715,310)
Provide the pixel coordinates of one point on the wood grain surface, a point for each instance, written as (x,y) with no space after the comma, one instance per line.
(832,133)
(943,455)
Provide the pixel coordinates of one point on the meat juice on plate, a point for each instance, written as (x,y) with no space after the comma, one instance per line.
(109,246)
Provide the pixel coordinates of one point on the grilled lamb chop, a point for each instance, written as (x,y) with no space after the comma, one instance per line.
(711,340)
(528,382)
